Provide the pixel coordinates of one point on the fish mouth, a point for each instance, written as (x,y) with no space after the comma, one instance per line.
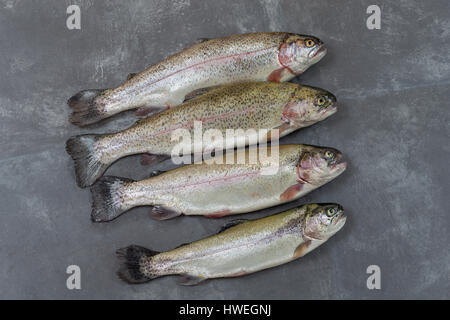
(332,109)
(339,221)
(321,50)
(339,164)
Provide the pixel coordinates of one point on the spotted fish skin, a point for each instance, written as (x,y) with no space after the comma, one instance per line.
(219,189)
(274,56)
(250,105)
(247,247)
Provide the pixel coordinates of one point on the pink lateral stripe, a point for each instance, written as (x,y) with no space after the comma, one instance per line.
(210,61)
(214,181)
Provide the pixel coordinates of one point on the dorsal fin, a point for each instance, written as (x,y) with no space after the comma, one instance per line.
(183,244)
(131,75)
(155,173)
(230,224)
(201,40)
(197,41)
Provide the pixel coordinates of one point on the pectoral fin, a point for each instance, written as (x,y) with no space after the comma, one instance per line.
(302,249)
(281,128)
(291,192)
(276,75)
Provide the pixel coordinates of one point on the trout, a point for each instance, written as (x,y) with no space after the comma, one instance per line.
(249,107)
(217,187)
(264,56)
(241,247)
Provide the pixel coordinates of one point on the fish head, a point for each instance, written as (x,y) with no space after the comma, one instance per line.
(319,165)
(323,220)
(308,105)
(299,52)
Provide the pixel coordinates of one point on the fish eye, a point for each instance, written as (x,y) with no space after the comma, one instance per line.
(329,154)
(320,101)
(309,43)
(331,212)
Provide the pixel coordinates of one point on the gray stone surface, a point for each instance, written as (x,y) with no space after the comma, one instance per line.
(393,126)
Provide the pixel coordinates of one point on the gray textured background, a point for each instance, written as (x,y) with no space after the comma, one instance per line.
(393,126)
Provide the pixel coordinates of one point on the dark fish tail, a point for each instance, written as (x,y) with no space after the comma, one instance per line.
(107,203)
(82,149)
(86,108)
(133,268)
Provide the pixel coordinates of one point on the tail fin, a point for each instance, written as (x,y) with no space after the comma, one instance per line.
(132,269)
(88,167)
(106,198)
(85,108)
